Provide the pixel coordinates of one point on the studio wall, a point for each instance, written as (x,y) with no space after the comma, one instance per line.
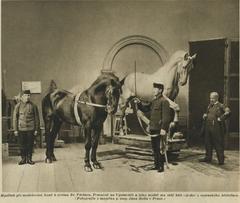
(67,41)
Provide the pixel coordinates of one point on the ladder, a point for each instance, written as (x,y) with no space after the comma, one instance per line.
(117,126)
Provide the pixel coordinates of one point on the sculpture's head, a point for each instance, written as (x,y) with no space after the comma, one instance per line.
(184,66)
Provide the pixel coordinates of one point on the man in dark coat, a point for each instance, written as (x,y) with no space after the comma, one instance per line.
(214,120)
(160,118)
(26,126)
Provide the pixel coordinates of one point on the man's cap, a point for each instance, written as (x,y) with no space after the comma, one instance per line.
(26,92)
(158,85)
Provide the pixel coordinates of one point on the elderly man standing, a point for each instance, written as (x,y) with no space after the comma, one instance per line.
(26,126)
(215,118)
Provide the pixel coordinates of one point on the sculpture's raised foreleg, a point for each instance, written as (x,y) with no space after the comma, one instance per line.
(175,107)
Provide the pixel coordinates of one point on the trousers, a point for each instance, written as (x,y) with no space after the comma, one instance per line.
(158,158)
(26,141)
(214,138)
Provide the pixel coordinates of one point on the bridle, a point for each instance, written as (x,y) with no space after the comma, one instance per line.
(108,106)
(109,94)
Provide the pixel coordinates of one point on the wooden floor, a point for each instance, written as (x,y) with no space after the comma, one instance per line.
(119,174)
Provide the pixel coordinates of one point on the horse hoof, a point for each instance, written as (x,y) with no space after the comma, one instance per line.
(97,165)
(48,160)
(54,158)
(88,168)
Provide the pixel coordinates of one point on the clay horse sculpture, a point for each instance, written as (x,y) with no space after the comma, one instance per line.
(173,73)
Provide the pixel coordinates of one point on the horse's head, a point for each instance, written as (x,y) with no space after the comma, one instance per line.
(107,89)
(112,93)
(184,66)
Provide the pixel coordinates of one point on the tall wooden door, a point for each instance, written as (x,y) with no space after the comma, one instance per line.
(214,70)
(232,92)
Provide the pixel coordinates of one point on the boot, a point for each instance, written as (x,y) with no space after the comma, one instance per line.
(207,160)
(161,169)
(23,161)
(161,164)
(153,167)
(53,157)
(29,160)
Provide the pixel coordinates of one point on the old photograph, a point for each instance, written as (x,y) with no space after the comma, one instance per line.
(120,96)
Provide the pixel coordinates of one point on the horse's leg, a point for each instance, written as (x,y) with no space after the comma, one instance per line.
(95,138)
(52,126)
(87,132)
(56,127)
(48,125)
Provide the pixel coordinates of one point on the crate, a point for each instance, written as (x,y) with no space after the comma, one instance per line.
(5,151)
(13,149)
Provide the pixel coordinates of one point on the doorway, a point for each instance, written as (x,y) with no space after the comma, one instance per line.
(214,70)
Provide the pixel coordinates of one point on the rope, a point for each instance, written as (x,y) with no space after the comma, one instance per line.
(140,122)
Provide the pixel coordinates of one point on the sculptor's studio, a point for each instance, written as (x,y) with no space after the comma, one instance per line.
(99,96)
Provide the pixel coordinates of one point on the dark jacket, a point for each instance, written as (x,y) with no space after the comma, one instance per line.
(160,116)
(216,111)
(26,117)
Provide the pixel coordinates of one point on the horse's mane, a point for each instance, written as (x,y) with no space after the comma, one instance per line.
(178,55)
(175,58)
(104,76)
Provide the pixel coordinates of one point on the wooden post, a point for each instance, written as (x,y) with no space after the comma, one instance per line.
(112,126)
(226,86)
(135,74)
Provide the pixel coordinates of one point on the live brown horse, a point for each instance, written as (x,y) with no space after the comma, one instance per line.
(89,109)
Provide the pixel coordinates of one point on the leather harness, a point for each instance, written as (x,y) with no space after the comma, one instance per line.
(75,108)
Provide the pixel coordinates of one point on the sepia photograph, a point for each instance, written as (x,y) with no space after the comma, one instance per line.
(132,98)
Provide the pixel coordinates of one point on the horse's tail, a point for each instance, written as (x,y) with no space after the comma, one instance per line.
(52,86)
(47,108)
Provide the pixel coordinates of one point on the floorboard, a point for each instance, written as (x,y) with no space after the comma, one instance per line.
(61,171)
(12,176)
(120,173)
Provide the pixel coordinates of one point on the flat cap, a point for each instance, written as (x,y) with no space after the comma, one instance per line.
(158,85)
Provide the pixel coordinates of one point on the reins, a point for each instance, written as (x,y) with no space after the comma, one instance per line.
(77,101)
(92,104)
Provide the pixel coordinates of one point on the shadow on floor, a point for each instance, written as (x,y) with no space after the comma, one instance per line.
(111,154)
